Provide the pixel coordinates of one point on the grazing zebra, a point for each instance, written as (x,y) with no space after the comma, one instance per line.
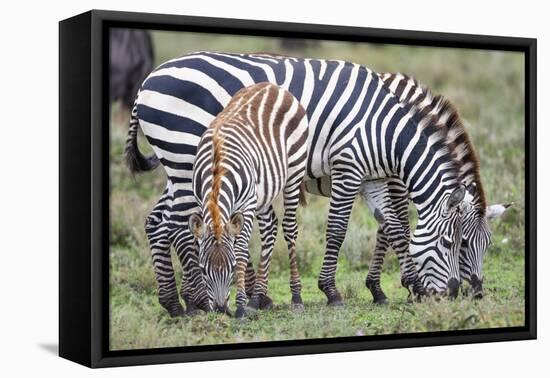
(255,149)
(389,199)
(357,130)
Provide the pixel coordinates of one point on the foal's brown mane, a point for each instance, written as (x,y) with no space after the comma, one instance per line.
(446,119)
(218,172)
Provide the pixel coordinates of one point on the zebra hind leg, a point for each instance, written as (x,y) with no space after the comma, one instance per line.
(268,231)
(159,245)
(193,289)
(375,269)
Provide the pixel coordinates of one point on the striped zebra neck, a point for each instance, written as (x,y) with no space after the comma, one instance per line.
(224,193)
(424,161)
(447,120)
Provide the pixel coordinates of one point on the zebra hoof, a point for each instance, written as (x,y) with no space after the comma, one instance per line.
(419,290)
(297,304)
(266,303)
(249,312)
(335,302)
(380,300)
(192,311)
(253,303)
(176,312)
(240,312)
(173,307)
(297,307)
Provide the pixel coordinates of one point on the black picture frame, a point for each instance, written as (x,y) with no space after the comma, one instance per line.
(84,189)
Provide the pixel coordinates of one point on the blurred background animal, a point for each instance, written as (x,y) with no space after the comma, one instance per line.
(131,57)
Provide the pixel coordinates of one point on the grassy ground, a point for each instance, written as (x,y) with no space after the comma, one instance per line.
(486,87)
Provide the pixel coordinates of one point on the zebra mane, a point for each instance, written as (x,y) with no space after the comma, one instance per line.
(218,171)
(439,114)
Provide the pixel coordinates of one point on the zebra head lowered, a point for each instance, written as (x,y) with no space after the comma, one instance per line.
(435,244)
(216,256)
(476,239)
(476,235)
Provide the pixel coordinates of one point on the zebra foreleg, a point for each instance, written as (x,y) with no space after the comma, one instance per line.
(388,201)
(409,275)
(391,233)
(267,223)
(343,192)
(249,278)
(242,258)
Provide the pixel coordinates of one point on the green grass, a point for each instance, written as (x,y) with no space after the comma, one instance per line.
(486,87)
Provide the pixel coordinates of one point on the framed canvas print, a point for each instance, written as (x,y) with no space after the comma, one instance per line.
(234,188)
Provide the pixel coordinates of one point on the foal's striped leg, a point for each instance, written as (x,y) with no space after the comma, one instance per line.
(249,278)
(267,223)
(242,258)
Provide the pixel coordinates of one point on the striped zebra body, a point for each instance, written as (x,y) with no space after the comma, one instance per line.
(255,149)
(357,131)
(394,227)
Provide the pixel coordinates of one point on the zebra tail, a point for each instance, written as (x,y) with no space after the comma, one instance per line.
(302,195)
(135,160)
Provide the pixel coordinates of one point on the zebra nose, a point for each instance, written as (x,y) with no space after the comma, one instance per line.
(477,286)
(452,286)
(223,310)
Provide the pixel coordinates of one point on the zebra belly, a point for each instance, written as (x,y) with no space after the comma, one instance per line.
(275,184)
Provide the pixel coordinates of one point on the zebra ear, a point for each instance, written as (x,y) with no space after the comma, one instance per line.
(495,211)
(196,225)
(456,197)
(235,224)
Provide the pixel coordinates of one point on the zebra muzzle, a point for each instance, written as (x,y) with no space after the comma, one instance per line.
(477,286)
(452,287)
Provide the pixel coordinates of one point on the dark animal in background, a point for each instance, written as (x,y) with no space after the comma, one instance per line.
(297,44)
(131,60)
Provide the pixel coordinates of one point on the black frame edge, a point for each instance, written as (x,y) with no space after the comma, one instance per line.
(317,31)
(322,347)
(75,334)
(531,181)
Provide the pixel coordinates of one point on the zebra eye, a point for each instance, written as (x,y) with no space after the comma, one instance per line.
(446,243)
